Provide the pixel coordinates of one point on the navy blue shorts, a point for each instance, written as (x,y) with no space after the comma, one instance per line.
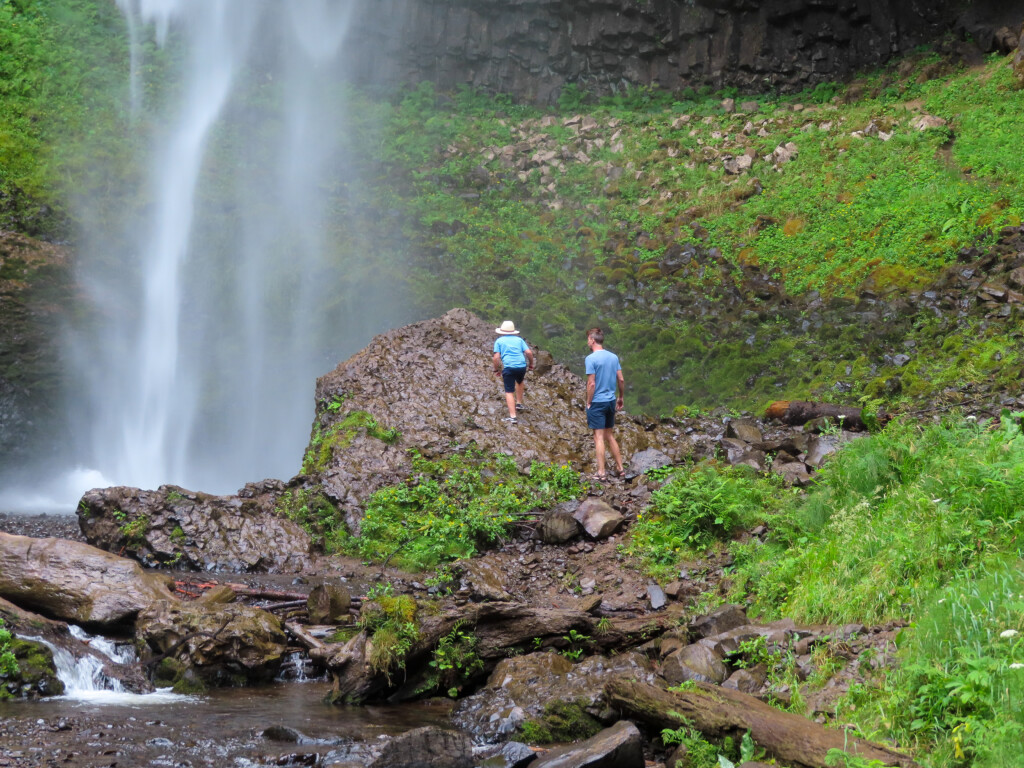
(511,377)
(601,415)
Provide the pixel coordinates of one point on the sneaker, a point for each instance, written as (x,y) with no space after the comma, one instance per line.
(521,407)
(511,419)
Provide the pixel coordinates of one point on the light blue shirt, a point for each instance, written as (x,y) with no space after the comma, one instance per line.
(604,365)
(511,348)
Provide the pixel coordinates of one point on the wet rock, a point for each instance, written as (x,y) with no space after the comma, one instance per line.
(76,582)
(556,527)
(197,531)
(222,645)
(617,747)
(793,472)
(328,604)
(694,662)
(513,754)
(428,747)
(720,620)
(598,518)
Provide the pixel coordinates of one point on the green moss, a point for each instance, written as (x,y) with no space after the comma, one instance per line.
(325,444)
(317,515)
(562,721)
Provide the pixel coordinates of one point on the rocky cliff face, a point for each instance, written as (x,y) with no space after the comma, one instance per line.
(532,48)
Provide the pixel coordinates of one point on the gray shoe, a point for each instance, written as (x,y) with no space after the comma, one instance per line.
(511,419)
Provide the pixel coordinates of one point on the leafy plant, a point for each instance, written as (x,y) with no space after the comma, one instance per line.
(390,622)
(8,664)
(455,660)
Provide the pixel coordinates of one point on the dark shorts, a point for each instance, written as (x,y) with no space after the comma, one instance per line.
(511,377)
(601,415)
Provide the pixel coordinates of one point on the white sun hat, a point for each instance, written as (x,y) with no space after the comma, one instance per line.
(508,327)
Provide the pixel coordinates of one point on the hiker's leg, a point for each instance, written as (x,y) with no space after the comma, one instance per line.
(508,380)
(520,391)
(614,445)
(599,449)
(510,401)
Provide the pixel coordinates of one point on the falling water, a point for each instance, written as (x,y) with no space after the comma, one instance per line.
(231,297)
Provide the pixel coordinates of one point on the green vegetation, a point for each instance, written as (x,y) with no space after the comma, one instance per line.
(390,622)
(697,507)
(311,509)
(326,441)
(455,661)
(8,664)
(920,523)
(562,721)
(451,508)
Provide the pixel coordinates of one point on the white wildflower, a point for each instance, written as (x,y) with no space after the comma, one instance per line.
(1017,665)
(1008,633)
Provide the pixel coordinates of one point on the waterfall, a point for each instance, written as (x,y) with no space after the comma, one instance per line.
(226,296)
(84,677)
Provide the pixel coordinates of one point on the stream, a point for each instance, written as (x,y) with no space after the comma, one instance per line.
(95,723)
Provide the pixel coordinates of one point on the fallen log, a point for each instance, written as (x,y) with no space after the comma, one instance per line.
(303,636)
(796,412)
(719,712)
(266,594)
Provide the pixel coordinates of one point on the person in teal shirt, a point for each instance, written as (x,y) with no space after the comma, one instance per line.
(605,388)
(512,359)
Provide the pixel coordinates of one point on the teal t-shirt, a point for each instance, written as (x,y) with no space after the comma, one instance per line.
(512,349)
(604,365)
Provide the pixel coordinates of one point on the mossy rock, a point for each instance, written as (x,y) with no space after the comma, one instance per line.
(562,721)
(36,675)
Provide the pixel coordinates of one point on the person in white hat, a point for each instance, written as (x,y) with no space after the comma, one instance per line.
(512,359)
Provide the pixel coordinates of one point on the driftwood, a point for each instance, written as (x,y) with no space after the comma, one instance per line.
(795,412)
(719,712)
(266,594)
(300,634)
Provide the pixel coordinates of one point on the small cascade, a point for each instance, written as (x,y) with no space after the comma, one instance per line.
(297,667)
(85,678)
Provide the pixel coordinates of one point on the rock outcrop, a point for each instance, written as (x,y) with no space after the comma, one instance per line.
(196,531)
(430,386)
(74,582)
(533,48)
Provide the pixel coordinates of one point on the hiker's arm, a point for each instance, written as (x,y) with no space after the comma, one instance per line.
(497,364)
(591,386)
(621,382)
(529,357)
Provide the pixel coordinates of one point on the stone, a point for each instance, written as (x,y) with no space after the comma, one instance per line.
(222,594)
(617,747)
(926,122)
(642,461)
(694,662)
(485,580)
(513,754)
(749,107)
(819,448)
(793,473)
(720,620)
(729,105)
(745,430)
(328,604)
(196,531)
(598,518)
(220,645)
(746,680)
(656,596)
(556,527)
(75,582)
(427,747)
(529,683)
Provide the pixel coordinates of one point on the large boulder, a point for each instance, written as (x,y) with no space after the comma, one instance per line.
(524,688)
(431,385)
(199,644)
(620,746)
(197,531)
(75,582)
(427,747)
